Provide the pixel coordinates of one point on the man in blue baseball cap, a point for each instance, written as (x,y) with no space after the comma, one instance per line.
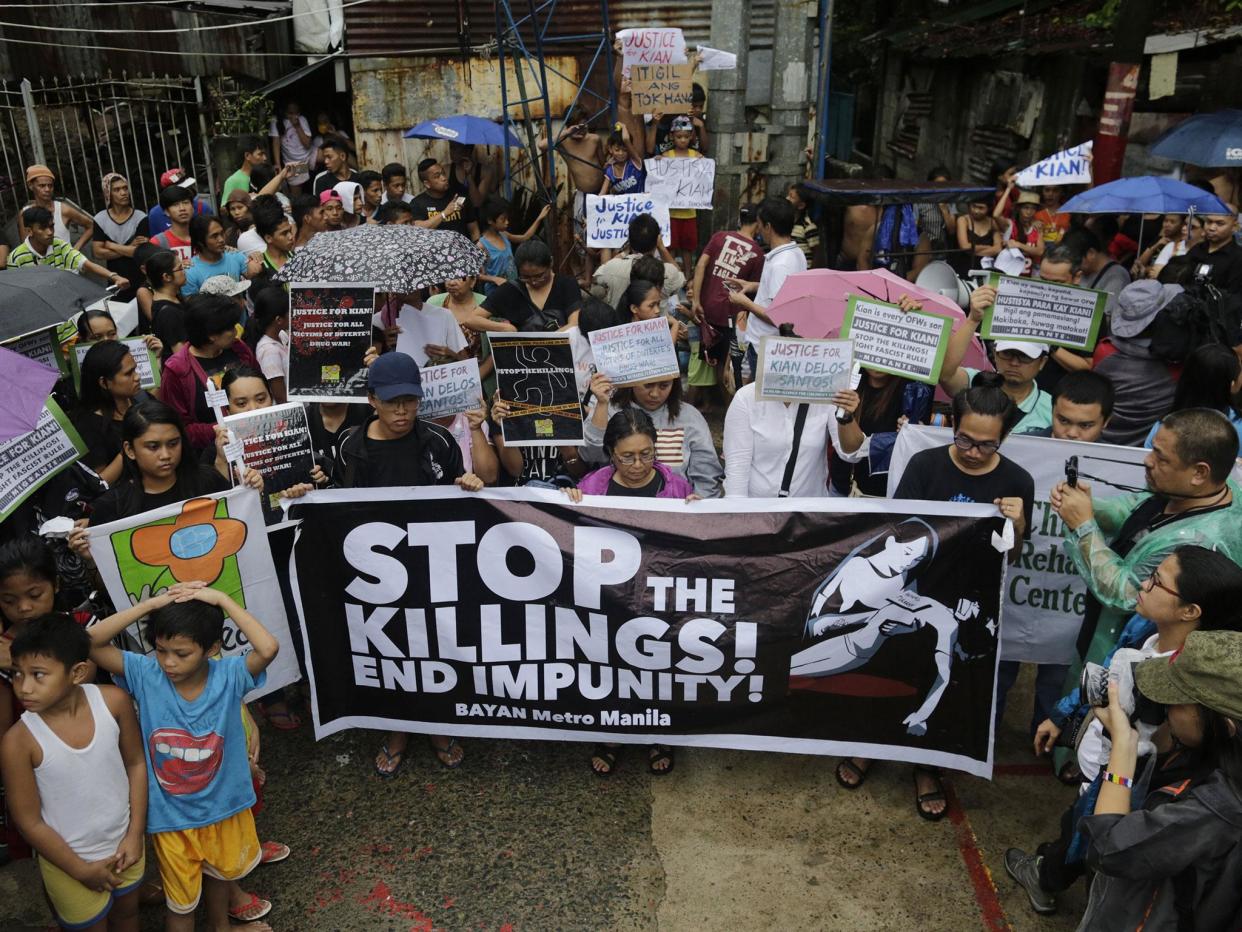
(394,448)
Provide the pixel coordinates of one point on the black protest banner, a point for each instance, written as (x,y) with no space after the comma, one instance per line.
(535,374)
(1044,312)
(812,626)
(329,332)
(276,444)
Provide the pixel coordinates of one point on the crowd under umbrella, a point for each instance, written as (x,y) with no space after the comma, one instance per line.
(24,388)
(38,298)
(395,259)
(1209,140)
(466,130)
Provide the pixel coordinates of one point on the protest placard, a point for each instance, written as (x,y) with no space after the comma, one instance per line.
(682,183)
(329,332)
(711,59)
(29,460)
(608,218)
(637,352)
(124,315)
(535,375)
(888,339)
(450,389)
(148,364)
(1072,166)
(541,620)
(803,370)
(651,46)
(661,88)
(41,346)
(276,444)
(1044,312)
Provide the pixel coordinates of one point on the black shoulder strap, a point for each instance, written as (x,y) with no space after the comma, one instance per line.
(799,424)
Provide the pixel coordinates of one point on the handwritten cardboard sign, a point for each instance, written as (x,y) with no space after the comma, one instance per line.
(651,46)
(637,352)
(608,218)
(683,183)
(450,389)
(1044,312)
(1072,166)
(887,339)
(661,88)
(803,370)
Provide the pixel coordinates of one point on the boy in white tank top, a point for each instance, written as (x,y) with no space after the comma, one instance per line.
(76,778)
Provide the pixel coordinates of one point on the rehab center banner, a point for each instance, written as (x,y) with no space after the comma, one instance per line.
(813,626)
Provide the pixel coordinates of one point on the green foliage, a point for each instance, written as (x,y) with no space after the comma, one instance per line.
(1105,16)
(237,111)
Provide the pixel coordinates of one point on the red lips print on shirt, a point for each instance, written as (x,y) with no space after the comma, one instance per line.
(184,763)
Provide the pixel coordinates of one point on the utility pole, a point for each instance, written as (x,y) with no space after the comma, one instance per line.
(791,74)
(1130,31)
(726,108)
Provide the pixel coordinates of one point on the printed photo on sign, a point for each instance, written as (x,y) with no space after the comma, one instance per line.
(803,370)
(29,460)
(220,540)
(329,333)
(637,352)
(661,88)
(683,183)
(608,218)
(148,364)
(1044,312)
(888,339)
(535,375)
(450,389)
(42,347)
(512,613)
(275,443)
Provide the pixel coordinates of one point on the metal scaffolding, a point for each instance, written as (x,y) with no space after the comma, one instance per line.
(521,42)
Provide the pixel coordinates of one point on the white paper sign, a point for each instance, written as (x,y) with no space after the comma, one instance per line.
(450,389)
(608,218)
(148,367)
(1011,261)
(637,352)
(124,315)
(711,59)
(683,183)
(651,46)
(1073,166)
(803,370)
(217,398)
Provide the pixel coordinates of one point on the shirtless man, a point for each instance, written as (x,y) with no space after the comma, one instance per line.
(584,155)
(858,237)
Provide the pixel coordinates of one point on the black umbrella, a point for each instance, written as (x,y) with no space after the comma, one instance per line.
(399,259)
(38,297)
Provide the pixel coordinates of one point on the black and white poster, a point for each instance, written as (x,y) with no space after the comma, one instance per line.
(807,626)
(329,332)
(535,374)
(276,444)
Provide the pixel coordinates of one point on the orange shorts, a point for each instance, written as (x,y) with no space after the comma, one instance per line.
(227,850)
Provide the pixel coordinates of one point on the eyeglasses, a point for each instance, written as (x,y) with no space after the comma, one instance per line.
(1154,580)
(966,444)
(400,403)
(537,279)
(629,459)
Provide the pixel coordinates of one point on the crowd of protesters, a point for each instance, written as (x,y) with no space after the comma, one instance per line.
(86,777)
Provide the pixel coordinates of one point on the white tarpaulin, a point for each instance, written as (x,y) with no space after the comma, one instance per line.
(1073,166)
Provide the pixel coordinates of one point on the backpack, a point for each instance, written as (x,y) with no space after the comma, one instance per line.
(1200,315)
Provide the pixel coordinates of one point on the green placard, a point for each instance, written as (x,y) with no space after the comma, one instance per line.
(1037,311)
(910,344)
(42,347)
(28,461)
(148,364)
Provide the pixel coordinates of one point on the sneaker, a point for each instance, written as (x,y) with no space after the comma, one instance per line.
(1024,868)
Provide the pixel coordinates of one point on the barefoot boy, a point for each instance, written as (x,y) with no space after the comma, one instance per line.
(76,779)
(189,708)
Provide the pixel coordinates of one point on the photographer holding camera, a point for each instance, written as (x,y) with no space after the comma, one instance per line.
(1193,589)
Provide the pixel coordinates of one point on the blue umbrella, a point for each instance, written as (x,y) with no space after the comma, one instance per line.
(466,129)
(1147,195)
(1212,140)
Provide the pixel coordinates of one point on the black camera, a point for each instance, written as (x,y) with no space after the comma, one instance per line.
(1094,686)
(1071,472)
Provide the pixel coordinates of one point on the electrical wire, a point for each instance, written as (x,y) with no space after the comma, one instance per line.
(210,28)
(88,3)
(395,53)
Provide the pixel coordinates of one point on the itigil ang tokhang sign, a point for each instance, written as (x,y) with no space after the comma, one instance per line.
(810,626)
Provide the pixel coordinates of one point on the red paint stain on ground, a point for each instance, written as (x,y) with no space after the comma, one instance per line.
(994,918)
(380,900)
(1022,770)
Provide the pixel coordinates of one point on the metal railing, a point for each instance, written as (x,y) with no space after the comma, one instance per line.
(83,128)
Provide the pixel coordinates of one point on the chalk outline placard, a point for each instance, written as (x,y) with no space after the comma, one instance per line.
(812,398)
(945,331)
(559,338)
(1101,301)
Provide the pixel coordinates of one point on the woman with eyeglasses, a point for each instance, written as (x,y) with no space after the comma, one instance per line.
(970,469)
(630,443)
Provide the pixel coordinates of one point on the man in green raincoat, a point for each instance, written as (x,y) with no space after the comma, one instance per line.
(1118,542)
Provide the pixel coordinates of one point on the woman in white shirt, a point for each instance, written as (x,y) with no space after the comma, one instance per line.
(759,448)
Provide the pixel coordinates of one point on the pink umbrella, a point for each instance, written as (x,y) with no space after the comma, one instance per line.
(814,302)
(24,388)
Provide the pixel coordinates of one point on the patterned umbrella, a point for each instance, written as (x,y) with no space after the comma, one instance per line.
(400,259)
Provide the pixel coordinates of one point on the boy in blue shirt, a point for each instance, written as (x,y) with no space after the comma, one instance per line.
(198,772)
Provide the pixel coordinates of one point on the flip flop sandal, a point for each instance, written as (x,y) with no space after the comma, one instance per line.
(606,754)
(398,758)
(847,767)
(273,852)
(444,755)
(921,799)
(655,755)
(283,721)
(252,910)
